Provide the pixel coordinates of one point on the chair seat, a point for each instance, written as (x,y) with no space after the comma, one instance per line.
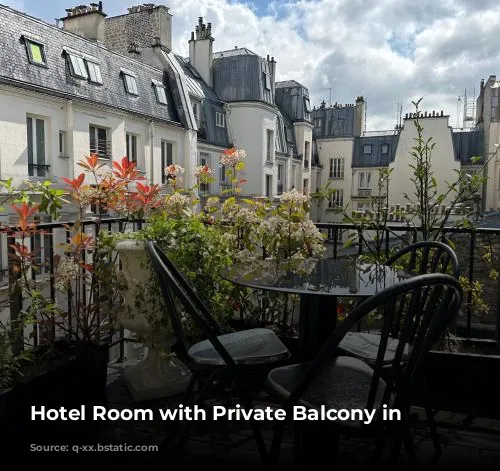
(253,346)
(343,384)
(364,345)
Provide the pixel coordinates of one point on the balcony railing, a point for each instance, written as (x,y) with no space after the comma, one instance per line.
(38,170)
(364,192)
(468,244)
(101,147)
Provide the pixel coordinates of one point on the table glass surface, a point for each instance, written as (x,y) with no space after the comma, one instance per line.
(341,277)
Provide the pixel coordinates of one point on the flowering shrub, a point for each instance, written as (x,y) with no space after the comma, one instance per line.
(173,173)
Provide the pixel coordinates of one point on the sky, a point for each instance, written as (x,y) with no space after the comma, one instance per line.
(391,52)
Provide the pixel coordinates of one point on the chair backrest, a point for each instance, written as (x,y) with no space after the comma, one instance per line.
(428,256)
(425,305)
(180,296)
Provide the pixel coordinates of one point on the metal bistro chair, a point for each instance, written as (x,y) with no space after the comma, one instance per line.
(430,302)
(423,257)
(239,356)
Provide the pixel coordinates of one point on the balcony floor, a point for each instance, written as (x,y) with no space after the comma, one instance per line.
(476,445)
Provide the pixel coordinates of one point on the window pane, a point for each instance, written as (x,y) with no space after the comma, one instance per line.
(29,126)
(36,53)
(94,72)
(130,84)
(40,144)
(161,95)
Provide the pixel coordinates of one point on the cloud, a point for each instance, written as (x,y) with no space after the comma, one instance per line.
(389,51)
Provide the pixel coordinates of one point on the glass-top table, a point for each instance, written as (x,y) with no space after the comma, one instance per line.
(318,283)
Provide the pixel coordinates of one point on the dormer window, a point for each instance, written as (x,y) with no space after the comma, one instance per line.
(307,105)
(161,94)
(94,72)
(77,66)
(219,119)
(385,149)
(367,149)
(129,82)
(36,52)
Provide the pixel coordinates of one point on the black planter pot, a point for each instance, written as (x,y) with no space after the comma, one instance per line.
(464,383)
(73,382)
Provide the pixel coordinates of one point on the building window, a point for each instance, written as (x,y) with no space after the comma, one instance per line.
(307,149)
(305,186)
(364,180)
(336,199)
(161,93)
(219,119)
(318,123)
(367,149)
(196,112)
(205,160)
(77,66)
(385,149)
(222,176)
(267,81)
(269,145)
(130,83)
(307,105)
(94,72)
(131,147)
(337,168)
(62,144)
(494,104)
(99,143)
(36,52)
(269,186)
(167,158)
(37,166)
(280,178)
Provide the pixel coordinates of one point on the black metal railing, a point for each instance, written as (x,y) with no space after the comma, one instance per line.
(38,170)
(101,147)
(469,241)
(467,247)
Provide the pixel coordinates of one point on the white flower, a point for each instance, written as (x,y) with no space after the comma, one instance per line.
(232,157)
(67,270)
(294,197)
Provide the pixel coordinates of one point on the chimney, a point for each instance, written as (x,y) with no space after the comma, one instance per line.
(147,25)
(359,116)
(86,21)
(201,50)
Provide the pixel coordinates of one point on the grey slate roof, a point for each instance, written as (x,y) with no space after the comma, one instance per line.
(211,104)
(240,77)
(375,158)
(467,144)
(292,98)
(55,79)
(241,51)
(336,121)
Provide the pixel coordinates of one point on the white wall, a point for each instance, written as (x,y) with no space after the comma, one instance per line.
(443,162)
(336,148)
(249,122)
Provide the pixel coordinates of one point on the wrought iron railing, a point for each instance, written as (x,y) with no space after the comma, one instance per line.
(38,170)
(469,243)
(101,147)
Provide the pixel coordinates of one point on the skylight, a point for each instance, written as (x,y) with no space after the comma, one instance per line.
(77,66)
(130,83)
(94,72)
(161,94)
(36,52)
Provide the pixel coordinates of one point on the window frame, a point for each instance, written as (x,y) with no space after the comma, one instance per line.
(267,81)
(337,168)
(307,104)
(28,42)
(160,93)
(365,147)
(336,200)
(82,72)
(107,141)
(95,66)
(220,119)
(132,89)
(132,147)
(386,147)
(165,160)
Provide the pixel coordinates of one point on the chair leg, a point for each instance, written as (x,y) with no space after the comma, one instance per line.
(247,403)
(183,434)
(274,453)
(433,429)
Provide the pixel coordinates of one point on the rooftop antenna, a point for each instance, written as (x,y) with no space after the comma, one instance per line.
(330,102)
